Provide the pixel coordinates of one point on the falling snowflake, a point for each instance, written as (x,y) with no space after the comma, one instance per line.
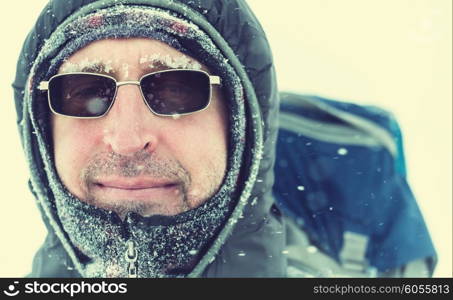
(342,151)
(312,249)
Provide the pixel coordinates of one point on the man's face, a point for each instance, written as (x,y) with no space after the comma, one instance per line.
(131,159)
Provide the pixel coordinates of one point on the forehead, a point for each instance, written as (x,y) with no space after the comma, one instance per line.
(116,55)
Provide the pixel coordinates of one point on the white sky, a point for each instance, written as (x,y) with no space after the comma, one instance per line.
(396,54)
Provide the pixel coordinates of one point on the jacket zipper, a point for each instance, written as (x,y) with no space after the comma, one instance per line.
(131,259)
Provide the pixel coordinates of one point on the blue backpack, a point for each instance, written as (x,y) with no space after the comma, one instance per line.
(340,174)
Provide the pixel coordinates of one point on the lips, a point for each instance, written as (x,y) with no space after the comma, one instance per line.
(138,189)
(134,183)
(148,196)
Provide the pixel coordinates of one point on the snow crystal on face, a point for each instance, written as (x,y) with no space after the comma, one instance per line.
(180,62)
(94,65)
(125,70)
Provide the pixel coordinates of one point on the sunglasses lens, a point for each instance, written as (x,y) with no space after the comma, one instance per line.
(81,95)
(176,91)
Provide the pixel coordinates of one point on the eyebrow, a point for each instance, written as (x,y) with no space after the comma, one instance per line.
(97,68)
(168,62)
(87,66)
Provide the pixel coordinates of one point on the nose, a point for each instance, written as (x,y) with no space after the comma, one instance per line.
(128,126)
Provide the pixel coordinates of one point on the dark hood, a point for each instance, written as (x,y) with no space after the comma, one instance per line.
(252,241)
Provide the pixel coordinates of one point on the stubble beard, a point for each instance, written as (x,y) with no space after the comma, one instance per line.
(148,164)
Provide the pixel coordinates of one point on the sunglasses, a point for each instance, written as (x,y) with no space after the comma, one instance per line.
(166,93)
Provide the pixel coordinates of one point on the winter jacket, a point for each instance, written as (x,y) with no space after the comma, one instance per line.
(251,243)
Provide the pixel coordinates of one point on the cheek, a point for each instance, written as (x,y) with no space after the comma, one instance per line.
(202,142)
(73,145)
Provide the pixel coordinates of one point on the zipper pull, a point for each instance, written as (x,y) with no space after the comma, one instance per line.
(131,259)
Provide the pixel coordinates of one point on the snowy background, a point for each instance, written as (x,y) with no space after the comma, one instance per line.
(396,54)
